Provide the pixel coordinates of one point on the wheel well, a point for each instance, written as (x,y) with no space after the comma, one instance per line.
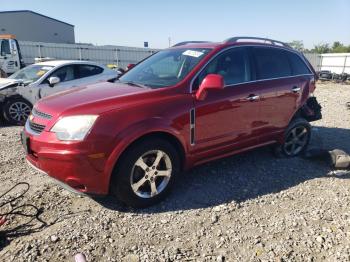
(7,99)
(298,114)
(163,135)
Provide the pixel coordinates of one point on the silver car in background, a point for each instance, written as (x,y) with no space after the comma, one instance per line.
(20,91)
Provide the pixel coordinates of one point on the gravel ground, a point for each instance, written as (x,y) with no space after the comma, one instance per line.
(249,207)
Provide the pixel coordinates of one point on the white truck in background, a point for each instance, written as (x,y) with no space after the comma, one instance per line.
(17,54)
(10,55)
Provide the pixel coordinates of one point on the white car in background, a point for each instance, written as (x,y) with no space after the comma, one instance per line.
(20,91)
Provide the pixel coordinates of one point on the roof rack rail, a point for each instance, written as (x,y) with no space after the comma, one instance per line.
(190,42)
(272,42)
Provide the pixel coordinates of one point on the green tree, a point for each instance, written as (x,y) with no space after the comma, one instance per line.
(339,48)
(336,44)
(298,45)
(321,48)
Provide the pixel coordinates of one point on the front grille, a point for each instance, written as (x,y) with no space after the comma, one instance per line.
(37,113)
(36,127)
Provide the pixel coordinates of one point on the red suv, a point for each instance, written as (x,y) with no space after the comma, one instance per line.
(179,108)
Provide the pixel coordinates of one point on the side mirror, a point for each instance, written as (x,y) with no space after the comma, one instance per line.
(130,66)
(120,71)
(210,82)
(54,80)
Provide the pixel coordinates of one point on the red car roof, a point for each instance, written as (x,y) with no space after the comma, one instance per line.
(213,45)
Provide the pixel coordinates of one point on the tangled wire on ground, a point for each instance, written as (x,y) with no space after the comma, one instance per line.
(29,211)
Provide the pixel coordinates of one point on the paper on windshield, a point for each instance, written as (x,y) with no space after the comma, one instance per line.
(193,53)
(47,68)
(40,73)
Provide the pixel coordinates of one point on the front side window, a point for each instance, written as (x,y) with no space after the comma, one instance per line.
(65,73)
(271,63)
(165,68)
(88,70)
(233,65)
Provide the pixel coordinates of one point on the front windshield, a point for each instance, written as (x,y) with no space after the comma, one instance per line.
(31,73)
(165,68)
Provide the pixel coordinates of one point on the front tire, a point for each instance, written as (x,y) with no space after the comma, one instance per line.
(296,139)
(146,173)
(17,110)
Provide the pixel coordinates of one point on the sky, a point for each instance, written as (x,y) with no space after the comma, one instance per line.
(131,22)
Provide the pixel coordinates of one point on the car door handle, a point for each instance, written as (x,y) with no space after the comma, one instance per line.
(252,98)
(296,89)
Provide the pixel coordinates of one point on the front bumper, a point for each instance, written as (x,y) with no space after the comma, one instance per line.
(76,165)
(65,186)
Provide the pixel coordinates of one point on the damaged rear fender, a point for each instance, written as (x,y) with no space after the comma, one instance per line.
(311,110)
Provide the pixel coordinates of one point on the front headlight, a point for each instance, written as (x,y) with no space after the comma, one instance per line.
(73,127)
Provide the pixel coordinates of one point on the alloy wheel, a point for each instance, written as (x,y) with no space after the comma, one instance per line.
(151,174)
(19,111)
(296,141)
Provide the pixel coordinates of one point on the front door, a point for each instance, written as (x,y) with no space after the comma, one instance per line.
(225,120)
(67,78)
(72,76)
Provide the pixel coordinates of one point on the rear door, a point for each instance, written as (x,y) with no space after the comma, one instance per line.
(88,74)
(280,88)
(305,74)
(227,117)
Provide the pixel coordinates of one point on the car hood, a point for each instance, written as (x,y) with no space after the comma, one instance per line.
(91,99)
(6,82)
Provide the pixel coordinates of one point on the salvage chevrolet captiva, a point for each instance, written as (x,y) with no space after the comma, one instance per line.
(181,107)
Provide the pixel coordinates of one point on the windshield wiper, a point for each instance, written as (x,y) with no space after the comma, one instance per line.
(132,83)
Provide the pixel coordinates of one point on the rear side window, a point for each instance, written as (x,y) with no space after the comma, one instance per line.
(298,65)
(87,70)
(271,63)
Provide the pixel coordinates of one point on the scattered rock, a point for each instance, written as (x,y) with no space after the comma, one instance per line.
(214,218)
(54,238)
(131,258)
(250,207)
(320,239)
